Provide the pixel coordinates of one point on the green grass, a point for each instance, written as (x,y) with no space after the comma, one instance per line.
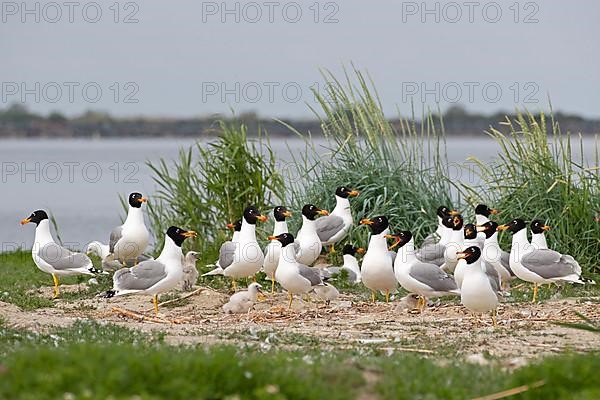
(98,361)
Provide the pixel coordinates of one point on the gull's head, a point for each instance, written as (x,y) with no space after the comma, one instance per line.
(470,231)
(281,213)
(470,255)
(457,222)
(285,239)
(255,287)
(352,250)
(377,224)
(178,235)
(513,226)
(252,215)
(538,226)
(94,248)
(344,192)
(311,211)
(448,222)
(36,217)
(484,210)
(235,226)
(192,256)
(444,211)
(400,238)
(489,228)
(136,200)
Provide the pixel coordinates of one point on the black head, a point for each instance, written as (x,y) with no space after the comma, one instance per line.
(310,211)
(36,217)
(251,215)
(444,211)
(470,231)
(377,224)
(136,200)
(344,192)
(471,254)
(178,235)
(352,250)
(285,239)
(236,226)
(448,222)
(281,213)
(401,238)
(538,226)
(484,210)
(458,222)
(489,228)
(513,226)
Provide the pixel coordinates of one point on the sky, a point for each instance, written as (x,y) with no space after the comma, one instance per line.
(195,58)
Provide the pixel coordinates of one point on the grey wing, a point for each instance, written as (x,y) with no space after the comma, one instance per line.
(493,277)
(297,247)
(226,254)
(505,261)
(63,259)
(432,238)
(432,276)
(312,274)
(141,277)
(329,226)
(133,261)
(115,236)
(432,254)
(549,263)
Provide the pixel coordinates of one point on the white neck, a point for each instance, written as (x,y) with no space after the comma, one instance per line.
(280,227)
(171,252)
(539,240)
(378,243)
(351,263)
(342,208)
(519,243)
(134,216)
(406,253)
(248,232)
(491,240)
(446,235)
(308,226)
(481,219)
(458,237)
(235,237)
(440,228)
(253,291)
(287,256)
(42,233)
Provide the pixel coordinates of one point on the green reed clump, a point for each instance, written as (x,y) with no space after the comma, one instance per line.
(400,171)
(535,176)
(211,184)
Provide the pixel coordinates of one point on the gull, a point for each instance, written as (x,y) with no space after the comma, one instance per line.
(153,277)
(293,276)
(129,240)
(190,272)
(538,239)
(378,263)
(227,250)
(307,237)
(52,258)
(538,265)
(469,239)
(242,302)
(479,290)
(244,258)
(326,292)
(273,249)
(350,265)
(482,214)
(101,251)
(454,245)
(426,280)
(335,226)
(435,237)
(493,255)
(433,253)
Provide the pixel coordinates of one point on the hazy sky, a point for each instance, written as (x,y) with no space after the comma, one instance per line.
(186,58)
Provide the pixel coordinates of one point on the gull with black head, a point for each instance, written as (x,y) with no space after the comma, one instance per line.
(129,241)
(335,226)
(493,255)
(309,243)
(273,249)
(378,263)
(227,250)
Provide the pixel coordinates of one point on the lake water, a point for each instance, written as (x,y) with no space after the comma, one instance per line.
(80,180)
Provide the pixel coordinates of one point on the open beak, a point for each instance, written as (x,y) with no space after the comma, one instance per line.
(143,200)
(323,212)
(454,212)
(396,241)
(262,218)
(494,212)
(272,237)
(354,193)
(502,228)
(25,221)
(189,234)
(360,250)
(461,255)
(366,221)
(287,214)
(546,228)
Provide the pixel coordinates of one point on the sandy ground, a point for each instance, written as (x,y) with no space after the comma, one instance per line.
(524,330)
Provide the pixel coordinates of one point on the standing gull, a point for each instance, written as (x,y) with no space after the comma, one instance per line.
(432,252)
(52,258)
(469,239)
(130,240)
(153,277)
(308,239)
(435,237)
(242,302)
(538,265)
(227,250)
(273,249)
(538,237)
(190,272)
(455,244)
(493,255)
(426,280)
(482,216)
(292,275)
(378,264)
(335,226)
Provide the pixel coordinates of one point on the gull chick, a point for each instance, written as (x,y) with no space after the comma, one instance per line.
(190,272)
(243,301)
(326,292)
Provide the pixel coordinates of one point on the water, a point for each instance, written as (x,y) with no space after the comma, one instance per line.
(79,181)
